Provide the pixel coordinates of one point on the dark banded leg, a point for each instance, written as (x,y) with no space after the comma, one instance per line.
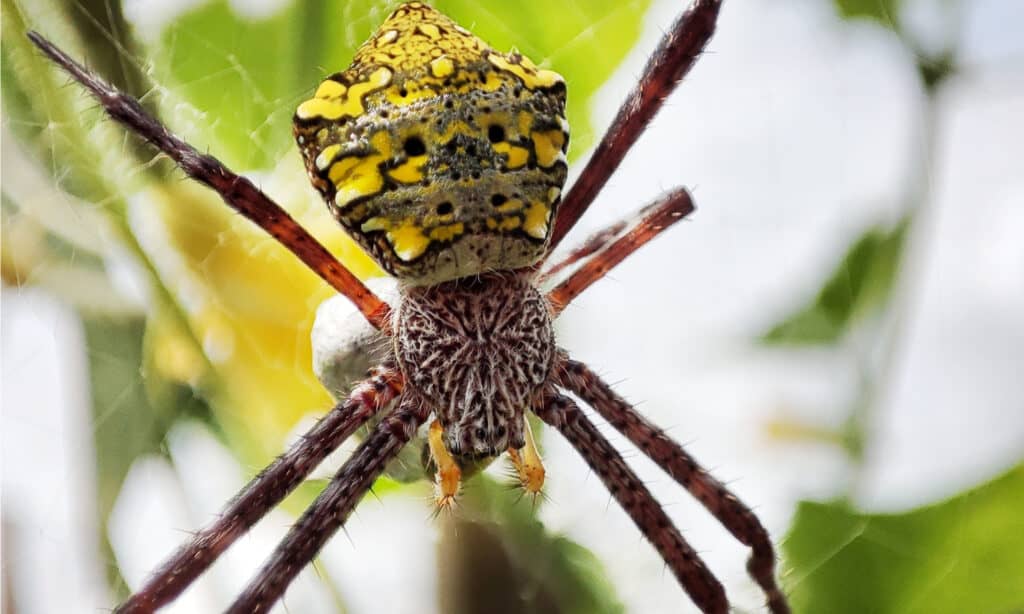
(675,55)
(331,508)
(265,491)
(703,588)
(238,192)
(654,219)
(670,456)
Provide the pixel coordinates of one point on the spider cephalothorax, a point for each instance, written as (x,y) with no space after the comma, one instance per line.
(441,156)
(445,160)
(479,350)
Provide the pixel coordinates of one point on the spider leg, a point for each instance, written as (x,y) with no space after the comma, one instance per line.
(654,218)
(670,456)
(706,591)
(265,491)
(593,244)
(331,508)
(675,55)
(238,192)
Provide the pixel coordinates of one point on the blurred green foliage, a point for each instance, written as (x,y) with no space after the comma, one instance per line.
(858,286)
(884,12)
(962,555)
(965,554)
(499,554)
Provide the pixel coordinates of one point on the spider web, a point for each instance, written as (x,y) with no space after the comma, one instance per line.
(755,158)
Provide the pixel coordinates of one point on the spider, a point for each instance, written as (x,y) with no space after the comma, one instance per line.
(445,160)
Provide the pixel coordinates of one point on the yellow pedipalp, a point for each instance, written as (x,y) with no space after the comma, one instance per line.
(528,464)
(449,477)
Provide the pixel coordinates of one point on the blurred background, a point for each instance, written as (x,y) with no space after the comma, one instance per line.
(836,332)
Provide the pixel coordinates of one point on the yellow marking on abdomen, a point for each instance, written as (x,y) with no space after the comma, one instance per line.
(410,171)
(326,157)
(447,233)
(517,156)
(349,106)
(536,222)
(355,178)
(548,147)
(407,239)
(531,77)
(442,67)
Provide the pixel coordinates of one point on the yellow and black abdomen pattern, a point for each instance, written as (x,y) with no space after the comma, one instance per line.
(442,157)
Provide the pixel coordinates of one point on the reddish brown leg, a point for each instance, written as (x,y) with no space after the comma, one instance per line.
(562,413)
(670,456)
(265,491)
(593,244)
(654,218)
(674,57)
(238,192)
(331,508)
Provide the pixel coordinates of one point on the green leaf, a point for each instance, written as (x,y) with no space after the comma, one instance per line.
(239,78)
(963,555)
(125,425)
(885,12)
(862,281)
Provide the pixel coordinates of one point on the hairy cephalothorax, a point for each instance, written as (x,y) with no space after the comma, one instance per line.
(445,159)
(478,351)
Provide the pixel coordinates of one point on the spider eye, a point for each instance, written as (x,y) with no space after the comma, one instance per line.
(413,146)
(498,199)
(445,208)
(481,433)
(495,133)
(500,431)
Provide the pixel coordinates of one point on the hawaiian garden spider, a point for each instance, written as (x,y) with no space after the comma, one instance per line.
(445,160)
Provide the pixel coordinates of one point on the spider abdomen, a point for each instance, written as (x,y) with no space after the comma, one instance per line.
(478,350)
(441,156)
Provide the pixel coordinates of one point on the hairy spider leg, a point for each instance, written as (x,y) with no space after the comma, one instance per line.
(703,588)
(654,219)
(675,55)
(674,460)
(265,491)
(590,246)
(238,192)
(332,507)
